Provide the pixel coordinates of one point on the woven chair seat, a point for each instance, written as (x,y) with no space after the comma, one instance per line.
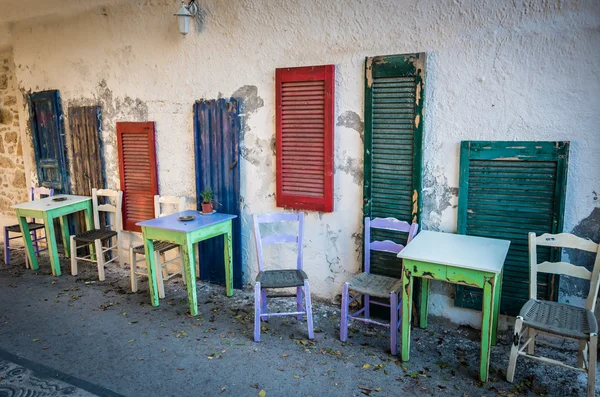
(281,278)
(559,319)
(375,285)
(160,246)
(32,226)
(95,234)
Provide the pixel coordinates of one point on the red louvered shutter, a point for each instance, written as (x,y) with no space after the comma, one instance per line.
(137,163)
(305,117)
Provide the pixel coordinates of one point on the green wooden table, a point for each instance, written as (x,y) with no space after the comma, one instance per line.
(458,259)
(187,234)
(49,209)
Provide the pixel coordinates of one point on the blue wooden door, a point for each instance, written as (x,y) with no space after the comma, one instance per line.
(217,133)
(49,140)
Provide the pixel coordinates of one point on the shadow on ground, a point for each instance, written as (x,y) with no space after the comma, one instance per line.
(102,334)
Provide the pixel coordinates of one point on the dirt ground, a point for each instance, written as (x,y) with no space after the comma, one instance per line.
(103,334)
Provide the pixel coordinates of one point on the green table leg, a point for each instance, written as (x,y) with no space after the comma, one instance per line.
(425,282)
(189,266)
(64,227)
(151,264)
(496,314)
(486,326)
(407,286)
(228,262)
(51,241)
(30,252)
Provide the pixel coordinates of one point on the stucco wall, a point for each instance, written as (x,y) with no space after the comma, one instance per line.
(524,70)
(12,170)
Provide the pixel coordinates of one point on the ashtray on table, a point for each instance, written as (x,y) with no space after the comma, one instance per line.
(186,218)
(59,198)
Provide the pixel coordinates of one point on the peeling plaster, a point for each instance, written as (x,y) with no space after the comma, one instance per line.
(437,197)
(589,228)
(351,166)
(350,119)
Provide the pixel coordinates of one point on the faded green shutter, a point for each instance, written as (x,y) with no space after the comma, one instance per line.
(394,93)
(506,190)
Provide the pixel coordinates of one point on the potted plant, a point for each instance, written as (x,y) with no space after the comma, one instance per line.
(207,204)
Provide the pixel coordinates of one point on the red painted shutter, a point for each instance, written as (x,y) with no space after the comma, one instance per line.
(305,117)
(137,163)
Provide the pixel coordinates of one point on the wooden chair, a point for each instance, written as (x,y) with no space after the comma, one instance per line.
(35,193)
(559,319)
(286,278)
(160,248)
(367,285)
(95,237)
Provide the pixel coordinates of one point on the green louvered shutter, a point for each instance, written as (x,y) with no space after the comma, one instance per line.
(394,92)
(506,190)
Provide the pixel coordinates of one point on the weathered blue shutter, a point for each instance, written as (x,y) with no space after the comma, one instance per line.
(506,190)
(394,93)
(217,132)
(47,130)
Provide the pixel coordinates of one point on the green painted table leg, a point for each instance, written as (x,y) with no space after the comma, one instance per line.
(425,282)
(189,266)
(51,241)
(407,286)
(486,327)
(151,264)
(496,314)
(64,227)
(228,248)
(30,252)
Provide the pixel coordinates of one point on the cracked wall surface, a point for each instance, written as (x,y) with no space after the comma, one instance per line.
(12,169)
(495,71)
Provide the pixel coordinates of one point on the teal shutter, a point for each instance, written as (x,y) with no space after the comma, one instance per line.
(394,93)
(506,190)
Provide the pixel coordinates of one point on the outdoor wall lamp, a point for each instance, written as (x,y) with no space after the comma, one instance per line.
(185,14)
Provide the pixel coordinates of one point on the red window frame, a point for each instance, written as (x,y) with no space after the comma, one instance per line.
(304,200)
(141,195)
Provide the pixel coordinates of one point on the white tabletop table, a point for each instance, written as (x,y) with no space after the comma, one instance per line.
(458,259)
(48,209)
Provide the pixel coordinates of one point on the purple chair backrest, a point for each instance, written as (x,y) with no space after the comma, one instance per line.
(278,237)
(36,193)
(386,245)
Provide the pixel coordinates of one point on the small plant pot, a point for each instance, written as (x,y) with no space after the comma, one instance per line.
(207,208)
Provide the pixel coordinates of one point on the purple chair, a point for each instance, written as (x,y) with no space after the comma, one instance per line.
(34,194)
(368,285)
(288,278)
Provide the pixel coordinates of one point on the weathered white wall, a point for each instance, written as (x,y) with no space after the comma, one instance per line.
(524,70)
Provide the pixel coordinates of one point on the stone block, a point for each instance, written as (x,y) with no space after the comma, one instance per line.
(11,137)
(19,180)
(6,163)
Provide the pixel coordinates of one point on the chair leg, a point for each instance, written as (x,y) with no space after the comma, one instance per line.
(581,354)
(159,276)
(73,256)
(34,240)
(514,350)
(532,333)
(592,355)
(264,309)
(367,303)
(394,323)
(6,247)
(299,302)
(165,272)
(100,259)
(132,270)
(308,305)
(257,313)
(344,314)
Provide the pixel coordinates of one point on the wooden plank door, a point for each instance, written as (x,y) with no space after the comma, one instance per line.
(217,132)
(85,127)
(47,130)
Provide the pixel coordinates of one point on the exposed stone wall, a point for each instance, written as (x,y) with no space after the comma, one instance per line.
(12,171)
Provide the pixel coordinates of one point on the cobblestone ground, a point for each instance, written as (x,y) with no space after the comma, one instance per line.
(102,334)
